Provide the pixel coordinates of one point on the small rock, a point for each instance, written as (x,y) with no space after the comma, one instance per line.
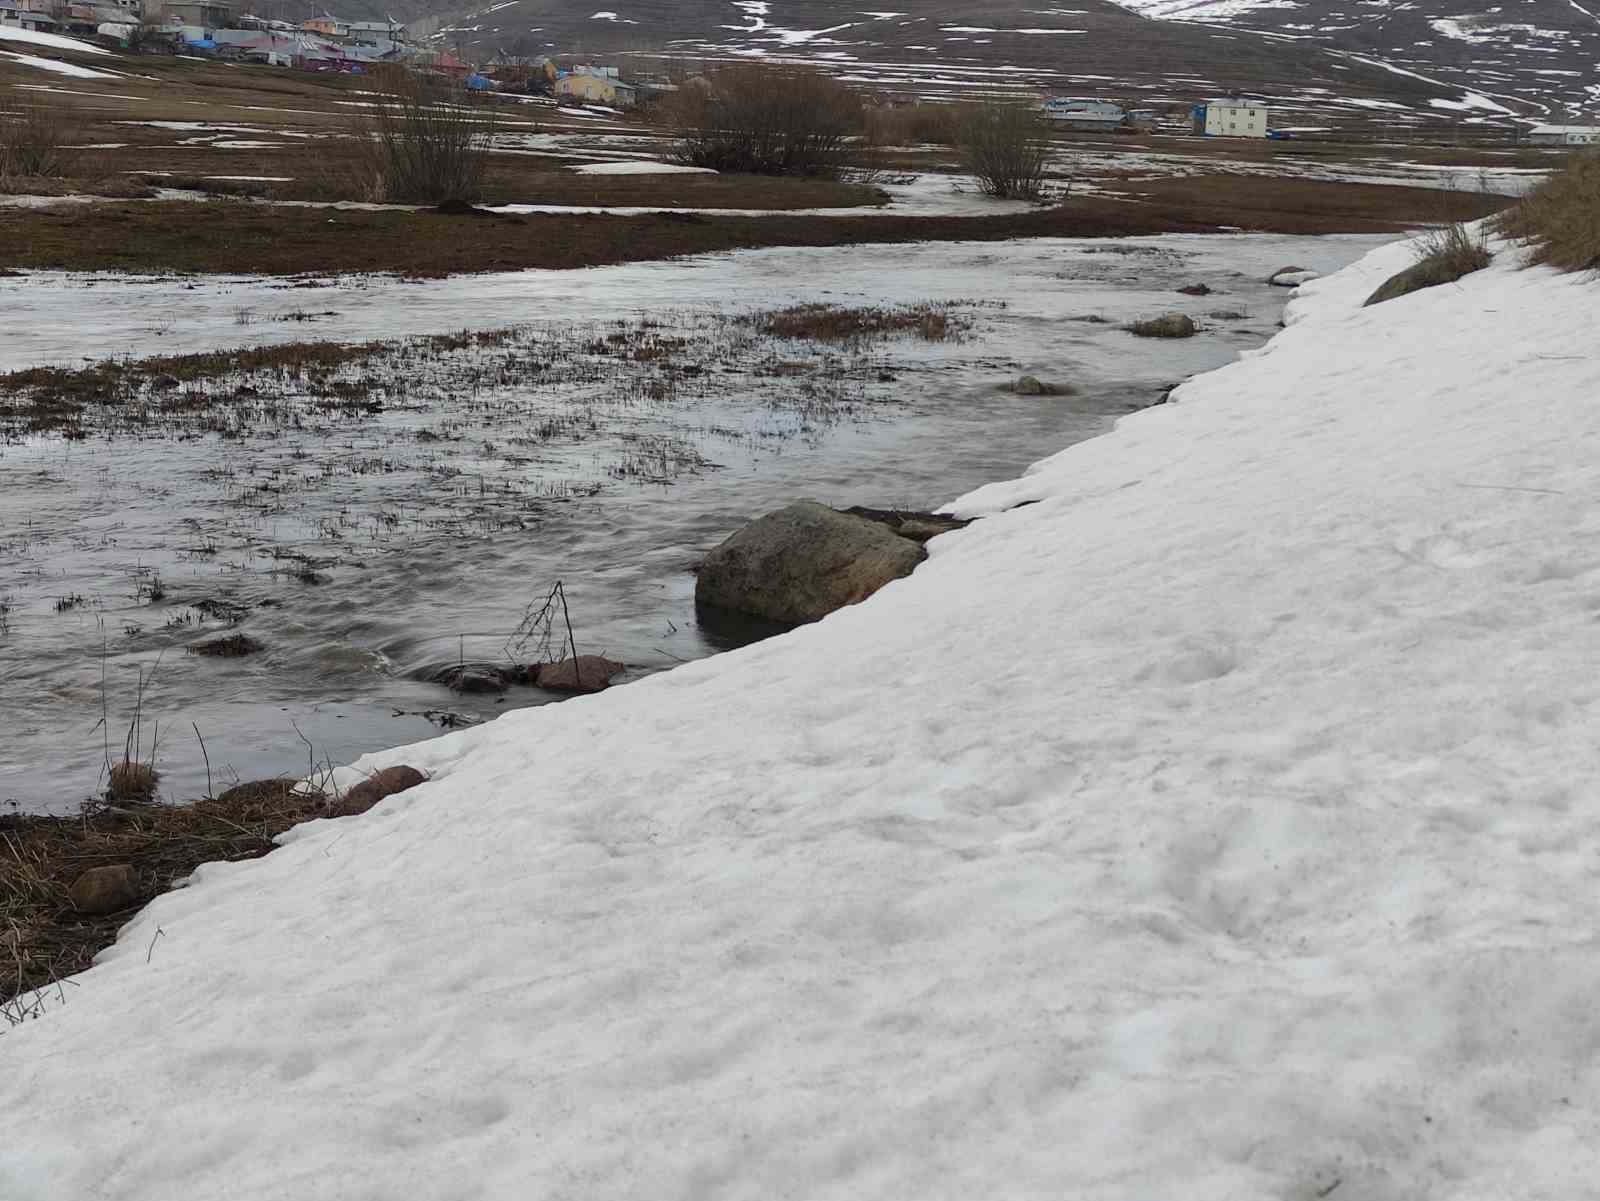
(472,677)
(373,789)
(1196,290)
(103,890)
(1227,315)
(1170,325)
(586,673)
(1028,385)
(918,527)
(233,646)
(1291,277)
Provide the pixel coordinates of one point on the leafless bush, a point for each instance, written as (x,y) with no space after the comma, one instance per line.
(912,125)
(766,120)
(1003,145)
(1561,217)
(34,141)
(421,142)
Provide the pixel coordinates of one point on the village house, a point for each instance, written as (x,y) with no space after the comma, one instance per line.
(327,26)
(189,14)
(596,85)
(28,14)
(1565,135)
(1085,113)
(1233,117)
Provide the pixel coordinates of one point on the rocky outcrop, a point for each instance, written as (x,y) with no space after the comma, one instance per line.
(802,562)
(373,789)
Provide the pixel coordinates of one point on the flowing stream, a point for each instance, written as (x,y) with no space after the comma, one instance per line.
(369,548)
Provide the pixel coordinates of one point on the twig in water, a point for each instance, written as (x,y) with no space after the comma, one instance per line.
(207,758)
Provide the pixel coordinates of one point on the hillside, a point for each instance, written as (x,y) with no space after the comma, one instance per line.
(943,47)
(1544,54)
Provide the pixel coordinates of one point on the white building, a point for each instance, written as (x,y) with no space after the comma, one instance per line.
(1085,113)
(1232,118)
(1565,135)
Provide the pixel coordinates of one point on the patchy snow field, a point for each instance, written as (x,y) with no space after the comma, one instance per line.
(1219,827)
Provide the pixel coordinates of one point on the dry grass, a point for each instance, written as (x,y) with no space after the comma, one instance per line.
(35,141)
(835,323)
(1004,147)
(1443,256)
(1560,218)
(43,938)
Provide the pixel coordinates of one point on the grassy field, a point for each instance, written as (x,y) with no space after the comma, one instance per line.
(249,133)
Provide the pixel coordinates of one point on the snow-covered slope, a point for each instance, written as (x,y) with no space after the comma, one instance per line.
(1543,52)
(970,47)
(1219,827)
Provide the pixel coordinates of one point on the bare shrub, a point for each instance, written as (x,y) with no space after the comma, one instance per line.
(1561,217)
(421,142)
(760,119)
(35,142)
(912,125)
(1443,255)
(1003,145)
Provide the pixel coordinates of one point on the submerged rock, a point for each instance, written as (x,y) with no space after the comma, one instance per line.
(1170,325)
(802,562)
(586,673)
(103,890)
(373,789)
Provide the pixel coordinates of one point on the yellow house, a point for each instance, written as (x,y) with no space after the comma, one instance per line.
(596,89)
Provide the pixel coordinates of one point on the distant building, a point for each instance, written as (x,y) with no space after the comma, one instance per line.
(1085,113)
(202,14)
(26,14)
(596,85)
(328,27)
(1231,118)
(1565,135)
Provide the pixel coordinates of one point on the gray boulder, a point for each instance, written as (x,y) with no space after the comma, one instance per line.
(803,562)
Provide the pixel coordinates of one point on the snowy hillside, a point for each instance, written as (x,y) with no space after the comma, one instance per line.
(1543,52)
(969,47)
(1219,827)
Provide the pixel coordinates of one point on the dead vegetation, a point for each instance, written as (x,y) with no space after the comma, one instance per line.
(420,143)
(1444,256)
(764,119)
(931,322)
(1005,148)
(1560,219)
(45,937)
(35,142)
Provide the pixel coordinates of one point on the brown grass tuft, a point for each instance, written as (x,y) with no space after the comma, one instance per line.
(1560,218)
(1443,256)
(132,782)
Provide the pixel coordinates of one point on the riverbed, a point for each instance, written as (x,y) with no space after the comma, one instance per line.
(369,548)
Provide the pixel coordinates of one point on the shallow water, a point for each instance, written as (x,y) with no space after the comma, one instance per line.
(368,559)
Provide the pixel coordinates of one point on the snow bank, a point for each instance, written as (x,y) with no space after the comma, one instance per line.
(13,33)
(56,66)
(1218,827)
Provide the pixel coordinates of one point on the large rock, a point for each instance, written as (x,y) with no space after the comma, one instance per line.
(373,789)
(103,890)
(803,562)
(586,673)
(1170,325)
